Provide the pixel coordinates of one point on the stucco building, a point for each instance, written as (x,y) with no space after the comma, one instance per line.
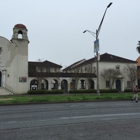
(18,75)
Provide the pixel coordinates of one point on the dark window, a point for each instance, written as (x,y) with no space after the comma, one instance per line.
(107,84)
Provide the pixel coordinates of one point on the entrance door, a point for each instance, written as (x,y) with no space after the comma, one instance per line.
(91,84)
(0,79)
(118,85)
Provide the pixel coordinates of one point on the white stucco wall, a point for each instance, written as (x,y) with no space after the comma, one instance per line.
(14,57)
(106,65)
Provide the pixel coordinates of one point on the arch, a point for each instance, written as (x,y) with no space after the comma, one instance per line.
(44,84)
(64,85)
(0,79)
(73,84)
(20,34)
(91,84)
(138,83)
(54,83)
(118,84)
(33,84)
(82,84)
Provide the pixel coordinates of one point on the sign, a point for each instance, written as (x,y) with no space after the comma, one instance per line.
(22,79)
(96,46)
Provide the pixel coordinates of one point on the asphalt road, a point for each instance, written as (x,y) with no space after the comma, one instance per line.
(113,120)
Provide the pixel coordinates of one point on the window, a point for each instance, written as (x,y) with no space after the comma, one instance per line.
(94,69)
(118,67)
(37,69)
(0,50)
(85,70)
(47,69)
(128,84)
(107,84)
(44,69)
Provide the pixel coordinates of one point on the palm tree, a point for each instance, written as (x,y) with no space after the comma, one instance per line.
(138,47)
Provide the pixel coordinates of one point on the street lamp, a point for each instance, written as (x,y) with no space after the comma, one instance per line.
(97,49)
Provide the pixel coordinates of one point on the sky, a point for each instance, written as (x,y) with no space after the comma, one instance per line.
(55,27)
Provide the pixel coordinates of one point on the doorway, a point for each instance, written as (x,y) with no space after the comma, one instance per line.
(118,85)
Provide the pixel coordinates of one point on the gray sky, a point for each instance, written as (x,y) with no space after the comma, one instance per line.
(55,27)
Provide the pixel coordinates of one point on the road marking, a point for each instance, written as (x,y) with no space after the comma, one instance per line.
(103,115)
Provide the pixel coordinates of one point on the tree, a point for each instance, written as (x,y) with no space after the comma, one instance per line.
(131,72)
(138,47)
(75,77)
(89,69)
(39,70)
(36,69)
(110,75)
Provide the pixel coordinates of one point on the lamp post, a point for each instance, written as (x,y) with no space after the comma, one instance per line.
(97,49)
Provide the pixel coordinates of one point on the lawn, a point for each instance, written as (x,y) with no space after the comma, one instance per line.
(23,99)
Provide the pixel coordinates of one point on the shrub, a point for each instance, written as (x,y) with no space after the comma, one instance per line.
(45,91)
(128,90)
(108,90)
(83,91)
(94,91)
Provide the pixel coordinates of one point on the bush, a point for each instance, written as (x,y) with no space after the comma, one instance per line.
(128,90)
(94,91)
(45,92)
(108,90)
(82,91)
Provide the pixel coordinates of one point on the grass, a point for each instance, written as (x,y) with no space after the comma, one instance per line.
(23,99)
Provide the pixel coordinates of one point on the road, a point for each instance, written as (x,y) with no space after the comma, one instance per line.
(111,120)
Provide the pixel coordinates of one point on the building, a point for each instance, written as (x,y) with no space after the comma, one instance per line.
(17,75)
(124,67)
(14,61)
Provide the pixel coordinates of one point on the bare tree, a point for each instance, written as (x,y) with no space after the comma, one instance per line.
(39,70)
(110,75)
(90,70)
(131,72)
(138,47)
(36,69)
(75,77)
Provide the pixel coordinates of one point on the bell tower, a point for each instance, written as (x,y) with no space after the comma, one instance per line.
(20,29)
(20,41)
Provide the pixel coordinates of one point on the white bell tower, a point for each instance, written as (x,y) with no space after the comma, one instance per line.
(20,41)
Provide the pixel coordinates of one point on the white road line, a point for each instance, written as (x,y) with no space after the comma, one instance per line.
(103,115)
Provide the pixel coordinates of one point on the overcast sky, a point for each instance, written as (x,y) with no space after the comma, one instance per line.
(55,27)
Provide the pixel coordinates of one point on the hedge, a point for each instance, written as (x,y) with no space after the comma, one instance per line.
(94,91)
(45,92)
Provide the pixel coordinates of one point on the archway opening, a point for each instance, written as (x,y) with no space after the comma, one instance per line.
(64,86)
(54,84)
(20,34)
(83,84)
(91,84)
(73,84)
(44,84)
(34,84)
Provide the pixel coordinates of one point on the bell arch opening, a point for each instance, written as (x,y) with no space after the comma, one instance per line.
(20,34)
